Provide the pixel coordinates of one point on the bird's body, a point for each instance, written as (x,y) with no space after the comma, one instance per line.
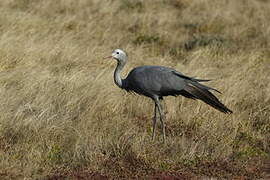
(153,81)
(156,82)
(159,81)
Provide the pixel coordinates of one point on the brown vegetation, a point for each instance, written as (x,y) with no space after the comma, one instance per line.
(62,116)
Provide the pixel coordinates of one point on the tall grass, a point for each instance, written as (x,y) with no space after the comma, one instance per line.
(61,112)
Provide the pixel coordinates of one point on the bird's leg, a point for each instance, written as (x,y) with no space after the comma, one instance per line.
(161,114)
(154,122)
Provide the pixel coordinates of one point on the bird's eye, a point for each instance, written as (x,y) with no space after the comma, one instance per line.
(117,52)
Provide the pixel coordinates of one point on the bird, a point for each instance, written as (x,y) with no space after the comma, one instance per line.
(156,82)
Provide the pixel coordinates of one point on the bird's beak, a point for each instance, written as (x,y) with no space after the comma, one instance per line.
(107,57)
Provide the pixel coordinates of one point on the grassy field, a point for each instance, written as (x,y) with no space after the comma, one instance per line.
(62,117)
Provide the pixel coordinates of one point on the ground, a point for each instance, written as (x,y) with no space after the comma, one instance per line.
(62,116)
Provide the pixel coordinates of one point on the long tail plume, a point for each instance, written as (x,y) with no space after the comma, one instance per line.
(202,92)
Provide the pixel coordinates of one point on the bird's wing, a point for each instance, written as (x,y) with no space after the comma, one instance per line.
(189,78)
(195,81)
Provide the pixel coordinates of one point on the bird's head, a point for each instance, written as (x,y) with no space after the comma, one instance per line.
(119,55)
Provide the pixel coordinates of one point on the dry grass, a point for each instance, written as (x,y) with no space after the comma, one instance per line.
(61,112)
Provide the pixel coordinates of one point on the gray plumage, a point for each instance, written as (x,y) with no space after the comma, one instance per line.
(156,82)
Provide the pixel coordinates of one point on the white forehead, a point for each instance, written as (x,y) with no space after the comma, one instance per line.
(119,51)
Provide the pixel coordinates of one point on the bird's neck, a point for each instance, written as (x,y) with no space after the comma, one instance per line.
(117,74)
